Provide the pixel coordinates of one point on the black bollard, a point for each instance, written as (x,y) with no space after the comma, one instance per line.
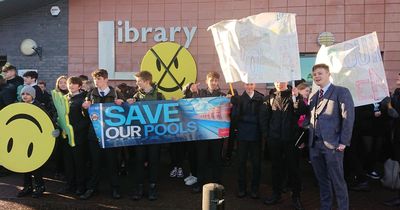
(213,197)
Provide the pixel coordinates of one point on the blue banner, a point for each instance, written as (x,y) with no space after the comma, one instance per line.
(157,122)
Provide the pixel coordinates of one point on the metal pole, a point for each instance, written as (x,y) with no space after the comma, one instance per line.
(213,197)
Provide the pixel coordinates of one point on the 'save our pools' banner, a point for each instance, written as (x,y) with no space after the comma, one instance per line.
(157,122)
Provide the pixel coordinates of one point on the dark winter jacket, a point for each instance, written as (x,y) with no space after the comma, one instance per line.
(41,96)
(150,96)
(396,105)
(248,116)
(202,93)
(396,125)
(363,120)
(281,116)
(207,93)
(78,117)
(3,95)
(94,97)
(9,91)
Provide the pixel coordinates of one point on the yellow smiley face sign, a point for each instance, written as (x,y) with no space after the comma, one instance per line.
(26,140)
(172,67)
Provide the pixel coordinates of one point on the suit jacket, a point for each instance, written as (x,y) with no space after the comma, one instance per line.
(334,116)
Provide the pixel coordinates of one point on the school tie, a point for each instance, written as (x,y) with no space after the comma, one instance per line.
(102,93)
(321,95)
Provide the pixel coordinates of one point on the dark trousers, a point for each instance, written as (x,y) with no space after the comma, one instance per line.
(34,177)
(74,161)
(373,148)
(58,154)
(192,150)
(98,158)
(328,168)
(284,165)
(209,153)
(177,153)
(231,143)
(152,154)
(353,163)
(252,149)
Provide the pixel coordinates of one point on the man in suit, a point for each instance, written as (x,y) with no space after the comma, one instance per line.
(330,120)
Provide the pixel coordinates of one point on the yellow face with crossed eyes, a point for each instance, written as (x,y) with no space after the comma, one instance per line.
(26,140)
(172,67)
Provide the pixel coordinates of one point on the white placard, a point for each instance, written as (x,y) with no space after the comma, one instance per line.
(357,64)
(258,49)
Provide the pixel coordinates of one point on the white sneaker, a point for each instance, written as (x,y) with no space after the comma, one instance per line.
(187,178)
(173,172)
(180,174)
(373,175)
(191,181)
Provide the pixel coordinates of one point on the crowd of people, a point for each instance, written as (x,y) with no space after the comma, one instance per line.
(345,144)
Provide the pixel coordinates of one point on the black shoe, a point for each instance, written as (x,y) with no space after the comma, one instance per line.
(80,192)
(274,199)
(66,190)
(88,194)
(138,193)
(284,190)
(38,191)
(59,176)
(254,194)
(122,172)
(115,194)
(392,202)
(25,191)
(297,203)
(241,194)
(227,162)
(152,192)
(363,186)
(196,189)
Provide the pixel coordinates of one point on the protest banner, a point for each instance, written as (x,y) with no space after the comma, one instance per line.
(357,64)
(157,122)
(26,140)
(258,49)
(62,107)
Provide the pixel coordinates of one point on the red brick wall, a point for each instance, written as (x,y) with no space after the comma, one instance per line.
(346,19)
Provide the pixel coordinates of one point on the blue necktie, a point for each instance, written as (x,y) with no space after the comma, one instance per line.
(102,93)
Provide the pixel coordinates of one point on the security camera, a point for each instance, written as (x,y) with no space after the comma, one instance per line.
(55,11)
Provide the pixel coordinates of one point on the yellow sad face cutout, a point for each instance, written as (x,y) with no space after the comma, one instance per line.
(172,67)
(26,140)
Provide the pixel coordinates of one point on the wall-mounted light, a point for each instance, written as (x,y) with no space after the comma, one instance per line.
(55,11)
(326,38)
(29,47)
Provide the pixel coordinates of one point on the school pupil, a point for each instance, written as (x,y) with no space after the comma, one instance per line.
(33,181)
(212,148)
(189,91)
(75,156)
(102,93)
(147,91)
(61,142)
(30,78)
(249,137)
